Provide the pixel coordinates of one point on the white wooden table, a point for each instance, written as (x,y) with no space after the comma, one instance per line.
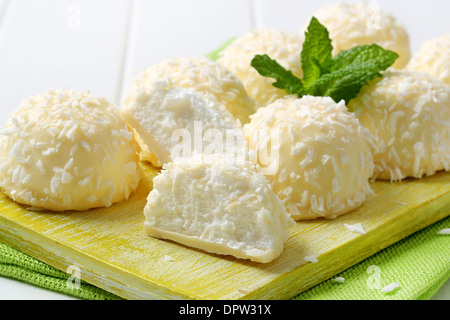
(101,45)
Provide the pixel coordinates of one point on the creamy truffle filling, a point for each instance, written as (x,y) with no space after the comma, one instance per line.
(182,122)
(204,76)
(218,207)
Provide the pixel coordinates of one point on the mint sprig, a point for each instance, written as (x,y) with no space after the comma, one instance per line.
(285,79)
(340,77)
(316,53)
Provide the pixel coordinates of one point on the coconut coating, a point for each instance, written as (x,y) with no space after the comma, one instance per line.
(283,46)
(433,58)
(320,161)
(68,150)
(201,74)
(359,24)
(408,115)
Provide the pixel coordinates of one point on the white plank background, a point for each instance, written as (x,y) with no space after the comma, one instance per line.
(101,45)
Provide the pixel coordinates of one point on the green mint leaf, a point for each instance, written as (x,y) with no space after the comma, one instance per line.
(340,77)
(350,70)
(285,79)
(343,84)
(368,55)
(316,52)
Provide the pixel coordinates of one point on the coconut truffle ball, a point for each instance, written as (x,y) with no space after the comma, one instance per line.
(174,122)
(408,114)
(359,24)
(206,77)
(320,161)
(283,46)
(68,150)
(146,154)
(433,58)
(210,204)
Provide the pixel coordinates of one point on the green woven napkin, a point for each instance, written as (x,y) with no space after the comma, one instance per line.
(17,265)
(419,264)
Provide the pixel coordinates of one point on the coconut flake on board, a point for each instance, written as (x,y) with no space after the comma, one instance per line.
(390,287)
(444,231)
(357,228)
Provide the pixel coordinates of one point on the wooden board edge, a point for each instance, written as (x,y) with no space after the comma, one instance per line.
(131,286)
(104,276)
(355,251)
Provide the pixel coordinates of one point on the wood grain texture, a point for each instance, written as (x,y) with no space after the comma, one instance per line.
(110,247)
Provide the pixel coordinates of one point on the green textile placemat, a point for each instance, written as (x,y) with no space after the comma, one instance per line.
(419,264)
(17,265)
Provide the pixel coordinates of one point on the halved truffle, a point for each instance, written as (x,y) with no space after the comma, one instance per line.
(179,122)
(202,75)
(207,203)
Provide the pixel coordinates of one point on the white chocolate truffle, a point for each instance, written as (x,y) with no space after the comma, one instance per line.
(359,24)
(68,150)
(203,75)
(175,122)
(408,115)
(320,161)
(146,154)
(433,58)
(283,46)
(222,208)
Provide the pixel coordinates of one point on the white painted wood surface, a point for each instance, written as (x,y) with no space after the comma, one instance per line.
(61,44)
(101,45)
(424,19)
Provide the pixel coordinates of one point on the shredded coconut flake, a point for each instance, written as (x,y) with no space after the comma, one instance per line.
(357,228)
(390,287)
(444,231)
(168,258)
(339,279)
(311,258)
